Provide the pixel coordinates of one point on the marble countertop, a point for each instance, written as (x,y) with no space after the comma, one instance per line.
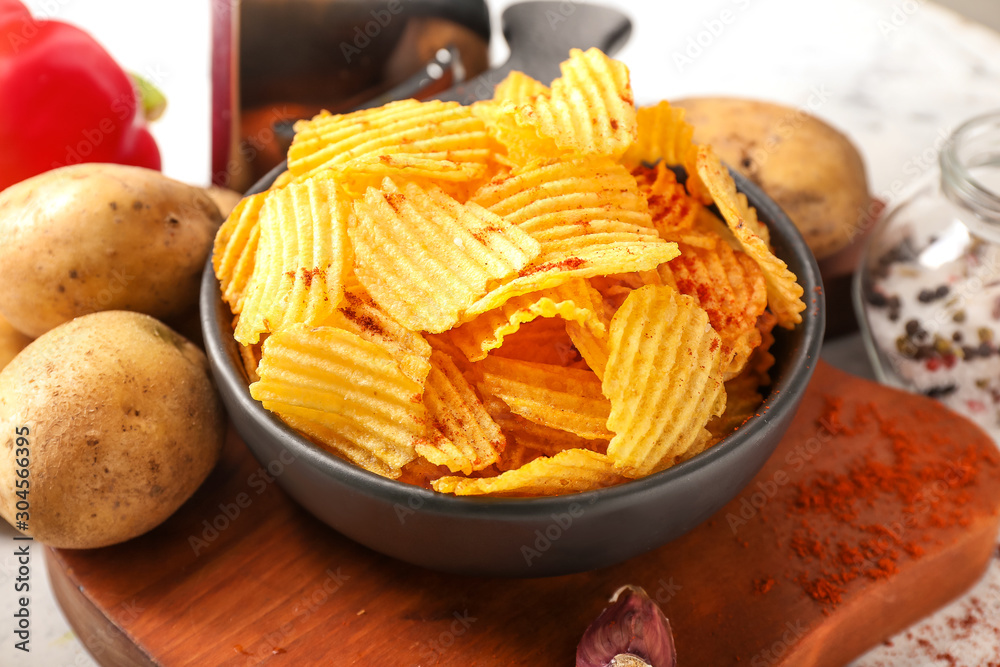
(894,75)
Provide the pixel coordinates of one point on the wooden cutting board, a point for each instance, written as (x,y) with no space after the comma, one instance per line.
(781,576)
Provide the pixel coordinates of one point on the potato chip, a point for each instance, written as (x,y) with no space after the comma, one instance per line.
(515,456)
(591,342)
(464,436)
(421,130)
(593,221)
(420,472)
(593,347)
(601,258)
(663,378)
(572,301)
(590,109)
(567,399)
(784,294)
(333,382)
(742,401)
(426,259)
(570,471)
(359,314)
(543,341)
(729,286)
(526,434)
(762,358)
(428,170)
(556,200)
(662,134)
(250,356)
(672,210)
(283,179)
(330,433)
(518,87)
(301,259)
(235,250)
(515,143)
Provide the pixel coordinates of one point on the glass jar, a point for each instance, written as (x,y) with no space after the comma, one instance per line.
(927,292)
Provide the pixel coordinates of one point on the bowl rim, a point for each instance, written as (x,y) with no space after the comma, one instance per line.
(785,392)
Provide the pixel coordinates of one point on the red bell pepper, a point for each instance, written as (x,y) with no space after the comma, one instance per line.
(63,100)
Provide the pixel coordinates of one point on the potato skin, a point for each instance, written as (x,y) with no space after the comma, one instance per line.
(224,198)
(125,424)
(12,341)
(810,169)
(93,237)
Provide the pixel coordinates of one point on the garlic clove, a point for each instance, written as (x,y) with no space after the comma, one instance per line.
(631,632)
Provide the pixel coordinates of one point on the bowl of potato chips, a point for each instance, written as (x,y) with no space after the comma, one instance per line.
(534,335)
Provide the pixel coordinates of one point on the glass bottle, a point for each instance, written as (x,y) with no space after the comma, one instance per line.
(927,292)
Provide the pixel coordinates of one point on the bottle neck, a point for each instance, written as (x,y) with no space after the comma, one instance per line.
(970,170)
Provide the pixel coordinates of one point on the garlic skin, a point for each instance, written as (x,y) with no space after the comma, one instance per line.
(628,660)
(631,632)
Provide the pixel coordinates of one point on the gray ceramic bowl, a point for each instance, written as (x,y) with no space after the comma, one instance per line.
(531,537)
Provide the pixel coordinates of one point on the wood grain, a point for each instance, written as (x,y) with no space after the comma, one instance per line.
(275,586)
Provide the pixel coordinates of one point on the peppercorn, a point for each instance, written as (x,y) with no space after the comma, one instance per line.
(878,299)
(941,391)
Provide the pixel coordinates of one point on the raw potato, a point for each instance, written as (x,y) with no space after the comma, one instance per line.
(124,424)
(12,341)
(810,169)
(224,198)
(101,237)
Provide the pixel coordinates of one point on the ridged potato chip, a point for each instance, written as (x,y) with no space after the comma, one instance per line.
(743,398)
(333,382)
(570,471)
(536,438)
(465,437)
(573,301)
(663,378)
(235,250)
(555,200)
(426,169)
(359,314)
(302,257)
(415,129)
(590,109)
(672,210)
(568,399)
(784,294)
(515,456)
(331,433)
(250,356)
(729,286)
(600,258)
(426,259)
(662,134)
(517,143)
(518,88)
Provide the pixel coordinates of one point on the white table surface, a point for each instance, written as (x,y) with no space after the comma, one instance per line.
(895,75)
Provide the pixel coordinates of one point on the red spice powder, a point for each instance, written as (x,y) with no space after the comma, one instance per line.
(927,477)
(763,585)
